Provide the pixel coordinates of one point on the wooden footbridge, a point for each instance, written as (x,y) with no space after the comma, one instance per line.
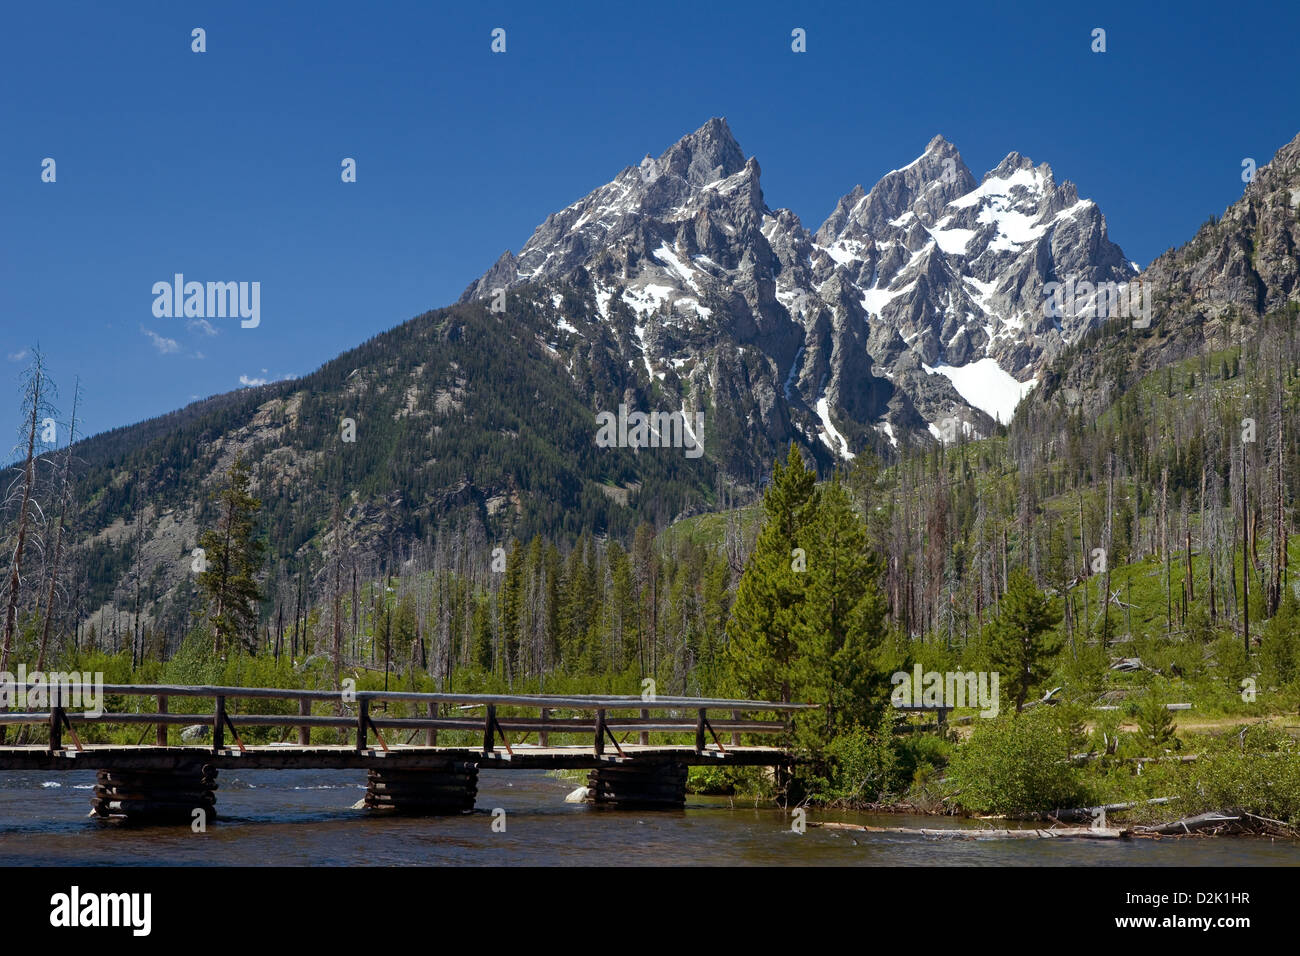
(175,775)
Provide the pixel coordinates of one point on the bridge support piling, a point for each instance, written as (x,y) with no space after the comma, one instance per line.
(449,789)
(156,796)
(640,784)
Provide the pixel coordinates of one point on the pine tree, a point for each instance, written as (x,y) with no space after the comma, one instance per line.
(1021,642)
(840,623)
(234,558)
(1155,723)
(511,597)
(645,564)
(481,634)
(762,645)
(622,609)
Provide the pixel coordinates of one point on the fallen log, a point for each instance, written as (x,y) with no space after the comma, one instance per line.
(1083,833)
(1098,814)
(1110,707)
(1202,821)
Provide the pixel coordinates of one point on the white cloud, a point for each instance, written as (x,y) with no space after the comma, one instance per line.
(251,382)
(164,345)
(18,356)
(201,325)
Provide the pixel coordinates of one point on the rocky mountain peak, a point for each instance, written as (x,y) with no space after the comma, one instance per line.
(921,188)
(705,156)
(917,301)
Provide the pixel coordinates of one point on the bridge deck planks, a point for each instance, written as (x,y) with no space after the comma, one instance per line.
(345,757)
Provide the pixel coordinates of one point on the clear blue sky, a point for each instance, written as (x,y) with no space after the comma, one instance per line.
(225,165)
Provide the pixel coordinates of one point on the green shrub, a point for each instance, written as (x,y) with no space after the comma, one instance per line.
(1279,649)
(1015,765)
(919,751)
(1256,770)
(863,766)
(1231,658)
(757,782)
(1086,672)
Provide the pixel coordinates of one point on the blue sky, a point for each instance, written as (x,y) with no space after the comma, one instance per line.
(225,165)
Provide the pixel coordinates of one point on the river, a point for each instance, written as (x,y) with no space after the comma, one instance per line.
(306,818)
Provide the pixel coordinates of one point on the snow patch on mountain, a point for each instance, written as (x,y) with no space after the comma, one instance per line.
(984,385)
(829,436)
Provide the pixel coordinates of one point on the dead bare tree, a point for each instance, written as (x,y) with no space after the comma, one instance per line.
(65,496)
(36,388)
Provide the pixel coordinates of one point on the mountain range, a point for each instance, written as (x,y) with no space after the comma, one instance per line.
(918,304)
(915,302)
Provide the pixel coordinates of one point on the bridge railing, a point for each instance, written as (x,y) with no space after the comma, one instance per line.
(676,715)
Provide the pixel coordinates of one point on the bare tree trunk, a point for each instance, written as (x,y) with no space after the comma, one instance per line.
(1245,559)
(1279,524)
(338,598)
(297,617)
(58,533)
(139,570)
(1164,549)
(35,401)
(1109,546)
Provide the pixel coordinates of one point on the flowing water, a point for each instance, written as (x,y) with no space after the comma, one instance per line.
(290,817)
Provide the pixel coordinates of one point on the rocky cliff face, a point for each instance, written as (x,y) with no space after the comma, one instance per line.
(917,304)
(1207,293)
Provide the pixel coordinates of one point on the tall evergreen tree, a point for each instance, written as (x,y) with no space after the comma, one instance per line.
(511,598)
(1021,640)
(762,644)
(840,624)
(234,559)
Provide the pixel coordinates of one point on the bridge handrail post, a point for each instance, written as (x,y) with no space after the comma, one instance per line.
(431,735)
(600,731)
(363,717)
(489,721)
(304,730)
(543,737)
(644,739)
(219,724)
(160,735)
(56,729)
(735,734)
(699,733)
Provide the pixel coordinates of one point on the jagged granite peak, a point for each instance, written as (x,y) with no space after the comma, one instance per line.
(916,301)
(705,170)
(922,187)
(707,155)
(954,272)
